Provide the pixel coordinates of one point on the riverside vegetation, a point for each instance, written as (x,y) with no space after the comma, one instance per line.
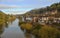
(4,18)
(42,31)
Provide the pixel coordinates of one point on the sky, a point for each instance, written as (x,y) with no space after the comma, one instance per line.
(22,6)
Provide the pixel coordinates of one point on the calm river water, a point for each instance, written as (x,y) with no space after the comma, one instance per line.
(13,30)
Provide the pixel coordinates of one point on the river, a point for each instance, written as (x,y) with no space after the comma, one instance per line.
(14,31)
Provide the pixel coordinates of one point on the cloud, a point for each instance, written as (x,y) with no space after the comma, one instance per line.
(13,11)
(11,0)
(4,6)
(25,4)
(50,1)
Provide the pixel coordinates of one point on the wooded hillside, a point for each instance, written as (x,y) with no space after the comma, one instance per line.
(49,9)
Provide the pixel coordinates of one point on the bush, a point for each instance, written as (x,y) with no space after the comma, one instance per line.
(21,23)
(26,26)
(37,26)
(49,32)
(22,26)
(46,32)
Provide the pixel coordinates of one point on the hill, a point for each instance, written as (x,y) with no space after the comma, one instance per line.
(53,9)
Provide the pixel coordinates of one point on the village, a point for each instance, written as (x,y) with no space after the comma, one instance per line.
(47,18)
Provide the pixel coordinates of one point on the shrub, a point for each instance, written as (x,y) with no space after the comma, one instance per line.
(26,26)
(49,32)
(22,26)
(21,23)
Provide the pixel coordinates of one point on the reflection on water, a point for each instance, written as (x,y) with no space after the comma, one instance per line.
(28,35)
(1,30)
(13,30)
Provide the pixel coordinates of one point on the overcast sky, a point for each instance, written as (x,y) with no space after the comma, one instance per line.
(22,6)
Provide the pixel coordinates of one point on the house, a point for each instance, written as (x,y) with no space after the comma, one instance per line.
(42,18)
